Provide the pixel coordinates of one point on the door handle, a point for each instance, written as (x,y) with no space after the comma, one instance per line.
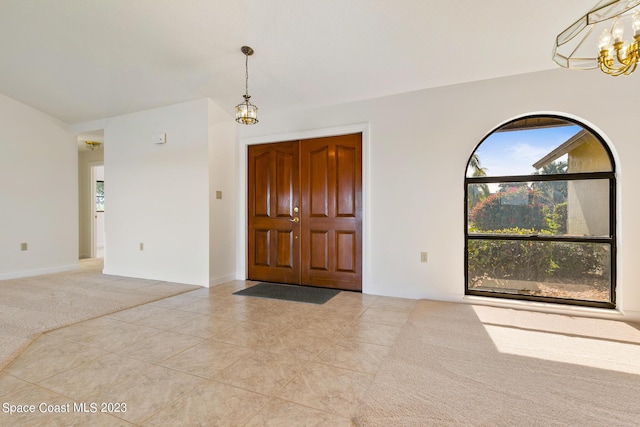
(295,219)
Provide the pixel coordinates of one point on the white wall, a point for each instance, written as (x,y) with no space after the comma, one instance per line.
(223,212)
(85,160)
(419,144)
(38,192)
(158,194)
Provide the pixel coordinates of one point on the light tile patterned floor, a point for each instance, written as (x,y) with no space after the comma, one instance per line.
(208,357)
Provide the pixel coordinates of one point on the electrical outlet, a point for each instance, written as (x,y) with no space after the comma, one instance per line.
(142,246)
(424,257)
(24,246)
(218,194)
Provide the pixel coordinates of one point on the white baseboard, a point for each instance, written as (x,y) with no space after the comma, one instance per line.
(632,316)
(213,281)
(38,272)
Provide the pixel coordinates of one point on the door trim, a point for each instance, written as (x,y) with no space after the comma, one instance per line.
(241,255)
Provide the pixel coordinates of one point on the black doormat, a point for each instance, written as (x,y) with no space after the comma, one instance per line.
(290,293)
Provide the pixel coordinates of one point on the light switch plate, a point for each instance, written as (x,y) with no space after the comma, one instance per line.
(161,138)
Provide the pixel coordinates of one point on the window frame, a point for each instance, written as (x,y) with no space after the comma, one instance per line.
(575,176)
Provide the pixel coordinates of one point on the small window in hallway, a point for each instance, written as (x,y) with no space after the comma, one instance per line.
(99,196)
(540,214)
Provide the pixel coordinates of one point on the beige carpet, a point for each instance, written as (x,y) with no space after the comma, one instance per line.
(457,364)
(33,305)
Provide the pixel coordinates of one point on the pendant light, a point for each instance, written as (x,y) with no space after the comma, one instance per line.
(597,39)
(246,112)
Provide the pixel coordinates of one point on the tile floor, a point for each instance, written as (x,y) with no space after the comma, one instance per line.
(207,357)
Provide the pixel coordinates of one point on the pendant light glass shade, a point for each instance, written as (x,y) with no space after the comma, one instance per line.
(246,112)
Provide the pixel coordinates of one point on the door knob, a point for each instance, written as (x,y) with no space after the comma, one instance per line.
(295,219)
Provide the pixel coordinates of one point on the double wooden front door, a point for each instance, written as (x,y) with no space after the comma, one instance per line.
(305,212)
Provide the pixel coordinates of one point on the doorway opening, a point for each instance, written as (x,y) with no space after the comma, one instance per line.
(97,211)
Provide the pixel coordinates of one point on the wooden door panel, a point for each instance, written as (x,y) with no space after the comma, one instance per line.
(261,186)
(318,187)
(346,250)
(331,213)
(346,181)
(284,184)
(319,250)
(285,248)
(273,246)
(262,247)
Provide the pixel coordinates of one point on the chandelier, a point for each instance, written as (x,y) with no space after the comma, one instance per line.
(246,112)
(597,39)
(92,145)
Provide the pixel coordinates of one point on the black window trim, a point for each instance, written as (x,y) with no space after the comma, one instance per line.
(610,240)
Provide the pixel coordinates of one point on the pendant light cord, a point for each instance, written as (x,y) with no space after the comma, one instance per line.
(246,75)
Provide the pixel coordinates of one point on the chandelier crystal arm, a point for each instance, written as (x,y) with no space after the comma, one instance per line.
(621,52)
(623,60)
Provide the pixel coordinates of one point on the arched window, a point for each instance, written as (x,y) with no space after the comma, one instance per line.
(540,214)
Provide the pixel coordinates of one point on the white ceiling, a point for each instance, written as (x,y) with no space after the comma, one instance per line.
(81,60)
